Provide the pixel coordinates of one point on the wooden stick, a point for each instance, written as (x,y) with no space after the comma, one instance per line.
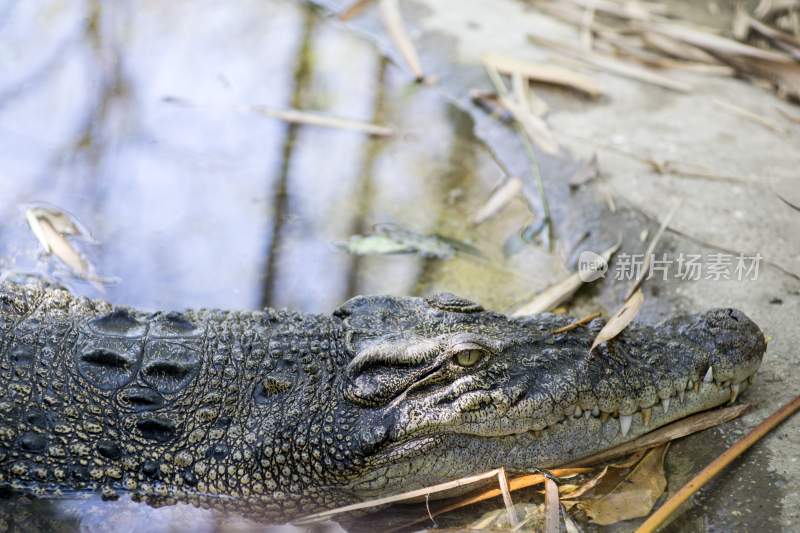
(715,467)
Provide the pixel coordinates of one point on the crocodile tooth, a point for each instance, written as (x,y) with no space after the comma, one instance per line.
(665,404)
(537,433)
(647,414)
(709,377)
(734,392)
(681,395)
(578,411)
(696,386)
(625,424)
(603,416)
(595,411)
(587,414)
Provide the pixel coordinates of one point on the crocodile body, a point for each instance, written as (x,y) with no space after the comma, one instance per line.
(277,414)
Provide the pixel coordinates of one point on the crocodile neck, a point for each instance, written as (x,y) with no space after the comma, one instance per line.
(209,407)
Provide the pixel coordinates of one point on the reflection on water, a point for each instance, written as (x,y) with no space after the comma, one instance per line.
(211,206)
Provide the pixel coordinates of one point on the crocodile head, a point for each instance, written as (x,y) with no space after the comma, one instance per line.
(446,389)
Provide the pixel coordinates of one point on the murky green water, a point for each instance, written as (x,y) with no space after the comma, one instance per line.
(214,205)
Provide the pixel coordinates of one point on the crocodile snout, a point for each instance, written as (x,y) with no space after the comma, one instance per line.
(735,343)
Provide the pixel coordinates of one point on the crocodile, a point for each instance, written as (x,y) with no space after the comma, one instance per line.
(275,414)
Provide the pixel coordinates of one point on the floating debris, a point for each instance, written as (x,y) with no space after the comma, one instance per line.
(52,227)
(392,239)
(297,116)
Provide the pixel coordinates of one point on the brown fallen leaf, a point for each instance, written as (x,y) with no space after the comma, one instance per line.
(633,496)
(545,73)
(621,319)
(498,200)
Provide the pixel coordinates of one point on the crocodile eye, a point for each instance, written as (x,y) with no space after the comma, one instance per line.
(469,357)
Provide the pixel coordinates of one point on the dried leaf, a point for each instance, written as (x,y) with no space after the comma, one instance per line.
(327,121)
(634,496)
(716,44)
(390,13)
(578,323)
(503,482)
(620,320)
(671,47)
(535,127)
(375,245)
(51,226)
(498,200)
(552,74)
(556,294)
(612,65)
(784,77)
(552,507)
(297,116)
(393,239)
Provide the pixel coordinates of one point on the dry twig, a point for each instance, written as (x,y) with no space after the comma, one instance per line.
(390,13)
